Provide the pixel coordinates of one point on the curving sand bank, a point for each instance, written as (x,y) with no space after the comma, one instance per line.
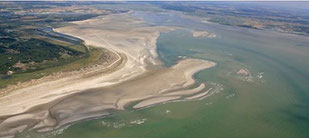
(137,76)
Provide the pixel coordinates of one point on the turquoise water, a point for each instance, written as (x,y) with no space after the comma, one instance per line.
(274,105)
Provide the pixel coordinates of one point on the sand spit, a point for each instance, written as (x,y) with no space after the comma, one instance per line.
(152,101)
(188,92)
(199,95)
(135,77)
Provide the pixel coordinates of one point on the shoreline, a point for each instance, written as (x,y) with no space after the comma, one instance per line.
(70,99)
(88,69)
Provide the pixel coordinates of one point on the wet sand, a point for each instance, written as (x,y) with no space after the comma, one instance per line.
(137,76)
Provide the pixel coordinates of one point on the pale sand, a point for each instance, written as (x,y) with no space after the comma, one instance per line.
(199,95)
(152,101)
(202,34)
(187,92)
(136,75)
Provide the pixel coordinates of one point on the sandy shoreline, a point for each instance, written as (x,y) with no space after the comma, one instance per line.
(53,104)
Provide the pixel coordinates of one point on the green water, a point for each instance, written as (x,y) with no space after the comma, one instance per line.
(275,105)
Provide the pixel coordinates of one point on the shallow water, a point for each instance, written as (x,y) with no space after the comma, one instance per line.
(271,103)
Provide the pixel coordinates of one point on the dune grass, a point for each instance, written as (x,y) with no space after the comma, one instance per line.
(92,56)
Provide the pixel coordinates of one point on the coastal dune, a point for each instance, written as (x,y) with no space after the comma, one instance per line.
(136,77)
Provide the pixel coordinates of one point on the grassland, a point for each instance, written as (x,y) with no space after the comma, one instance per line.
(92,56)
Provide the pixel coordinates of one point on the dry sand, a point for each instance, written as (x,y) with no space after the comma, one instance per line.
(137,76)
(199,95)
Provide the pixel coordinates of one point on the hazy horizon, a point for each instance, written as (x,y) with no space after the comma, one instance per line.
(175,0)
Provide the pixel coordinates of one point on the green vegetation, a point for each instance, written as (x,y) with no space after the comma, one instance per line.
(250,15)
(32,54)
(29,48)
(92,56)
